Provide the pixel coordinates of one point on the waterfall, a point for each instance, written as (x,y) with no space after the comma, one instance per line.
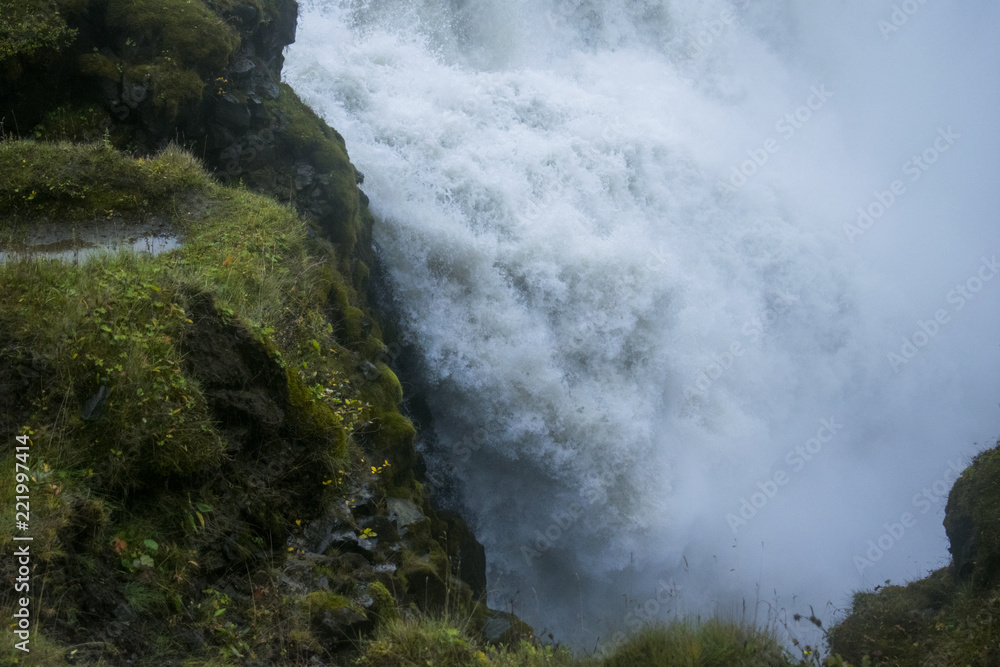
(704,292)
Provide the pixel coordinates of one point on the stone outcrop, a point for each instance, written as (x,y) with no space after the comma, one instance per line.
(137,76)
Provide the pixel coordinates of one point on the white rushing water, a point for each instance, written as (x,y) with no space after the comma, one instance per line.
(624,239)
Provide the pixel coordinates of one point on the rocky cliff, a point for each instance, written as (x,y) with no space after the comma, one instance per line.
(951,616)
(214,453)
(218,465)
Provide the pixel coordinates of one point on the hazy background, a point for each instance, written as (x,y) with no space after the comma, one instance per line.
(547,178)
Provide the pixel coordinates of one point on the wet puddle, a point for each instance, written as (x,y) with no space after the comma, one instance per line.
(81,242)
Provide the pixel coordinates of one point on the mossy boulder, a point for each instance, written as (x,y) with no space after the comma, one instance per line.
(972,521)
(951,616)
(28,29)
(185,31)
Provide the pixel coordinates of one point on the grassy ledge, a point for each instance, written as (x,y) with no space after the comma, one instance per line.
(190,413)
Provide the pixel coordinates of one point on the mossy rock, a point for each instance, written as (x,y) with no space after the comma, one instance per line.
(334,617)
(385,390)
(316,417)
(349,320)
(187,30)
(392,430)
(311,141)
(320,601)
(28,27)
(97,64)
(425,578)
(972,521)
(172,86)
(383,604)
(391,436)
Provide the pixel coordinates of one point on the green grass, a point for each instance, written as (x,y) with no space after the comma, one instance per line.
(933,620)
(950,617)
(423,640)
(66,181)
(687,643)
(148,494)
(428,641)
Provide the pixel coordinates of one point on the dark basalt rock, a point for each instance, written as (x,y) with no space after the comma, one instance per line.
(972,522)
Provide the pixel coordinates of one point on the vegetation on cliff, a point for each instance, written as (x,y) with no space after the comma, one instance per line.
(951,616)
(203,484)
(220,472)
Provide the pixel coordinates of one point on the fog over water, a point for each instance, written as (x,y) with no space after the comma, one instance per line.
(705,292)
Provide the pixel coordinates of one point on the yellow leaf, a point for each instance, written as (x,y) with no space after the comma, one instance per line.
(201,519)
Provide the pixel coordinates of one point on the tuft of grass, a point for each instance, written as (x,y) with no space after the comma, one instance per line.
(692,643)
(421,641)
(67,181)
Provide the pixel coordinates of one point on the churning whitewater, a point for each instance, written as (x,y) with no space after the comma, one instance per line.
(679,291)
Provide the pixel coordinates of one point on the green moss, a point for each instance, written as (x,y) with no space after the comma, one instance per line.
(384,605)
(389,385)
(360,275)
(392,430)
(29,26)
(319,601)
(187,30)
(347,318)
(973,518)
(172,86)
(97,64)
(318,417)
(70,123)
(313,141)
